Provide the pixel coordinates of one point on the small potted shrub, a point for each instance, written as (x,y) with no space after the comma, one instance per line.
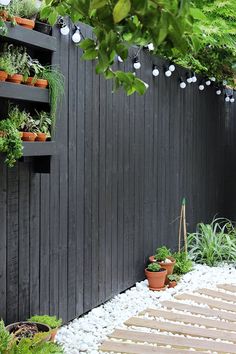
(163,256)
(19,58)
(52,321)
(6,68)
(156,276)
(43,122)
(23,12)
(172,280)
(29,129)
(34,68)
(183,263)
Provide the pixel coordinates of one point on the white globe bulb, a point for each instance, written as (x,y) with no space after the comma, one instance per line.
(76,38)
(155,72)
(227,99)
(65,30)
(201,87)
(218,92)
(182,85)
(137,65)
(168,73)
(232,100)
(5,2)
(189,80)
(172,67)
(208,82)
(224,82)
(150,46)
(194,79)
(213,79)
(120,59)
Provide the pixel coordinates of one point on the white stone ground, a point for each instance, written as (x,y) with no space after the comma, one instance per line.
(85,334)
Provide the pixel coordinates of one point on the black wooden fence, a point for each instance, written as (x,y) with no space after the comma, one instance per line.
(73,238)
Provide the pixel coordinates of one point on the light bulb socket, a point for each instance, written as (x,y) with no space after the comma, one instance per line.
(136,63)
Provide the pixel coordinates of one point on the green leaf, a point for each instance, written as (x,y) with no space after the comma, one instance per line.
(121,10)
(52,18)
(197,14)
(90,54)
(87,44)
(97,4)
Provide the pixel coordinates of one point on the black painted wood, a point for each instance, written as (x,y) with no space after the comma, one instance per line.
(21,35)
(23,92)
(72,239)
(35,148)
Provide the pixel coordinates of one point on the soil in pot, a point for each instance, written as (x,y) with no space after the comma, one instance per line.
(41,137)
(41,83)
(16,78)
(27,329)
(156,280)
(43,27)
(3,75)
(29,136)
(24,22)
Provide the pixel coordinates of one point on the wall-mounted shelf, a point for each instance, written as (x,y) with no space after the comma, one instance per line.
(33,38)
(47,148)
(23,92)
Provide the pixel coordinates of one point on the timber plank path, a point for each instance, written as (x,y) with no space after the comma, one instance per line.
(197,327)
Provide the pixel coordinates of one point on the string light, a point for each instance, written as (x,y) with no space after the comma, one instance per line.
(172,68)
(76,38)
(201,87)
(213,79)
(232,99)
(227,98)
(182,84)
(150,47)
(136,63)
(64,28)
(208,82)
(168,72)
(218,92)
(5,2)
(194,78)
(120,60)
(189,78)
(155,71)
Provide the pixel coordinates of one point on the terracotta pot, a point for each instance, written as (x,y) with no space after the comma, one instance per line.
(30,81)
(152,259)
(41,328)
(41,83)
(16,78)
(4,15)
(24,22)
(168,266)
(53,334)
(156,280)
(29,136)
(172,284)
(3,75)
(41,137)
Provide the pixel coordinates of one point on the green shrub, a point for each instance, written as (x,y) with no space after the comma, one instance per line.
(51,321)
(173,277)
(10,142)
(162,253)
(213,243)
(154,267)
(183,263)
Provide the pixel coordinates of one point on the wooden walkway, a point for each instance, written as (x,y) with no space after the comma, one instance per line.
(198,334)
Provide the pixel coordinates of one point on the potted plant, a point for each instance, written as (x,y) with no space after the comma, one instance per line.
(43,122)
(29,129)
(156,276)
(23,12)
(32,70)
(19,59)
(6,68)
(172,280)
(10,142)
(163,256)
(52,321)
(17,117)
(183,263)
(41,24)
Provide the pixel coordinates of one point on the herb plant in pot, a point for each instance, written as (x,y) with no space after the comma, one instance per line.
(24,12)
(156,276)
(19,58)
(41,24)
(6,68)
(164,257)
(43,122)
(30,129)
(172,280)
(52,321)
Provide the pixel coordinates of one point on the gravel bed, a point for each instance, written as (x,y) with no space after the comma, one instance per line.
(85,334)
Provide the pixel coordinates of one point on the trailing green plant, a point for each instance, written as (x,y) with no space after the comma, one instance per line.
(23,8)
(173,277)
(10,142)
(213,243)
(162,253)
(154,267)
(51,321)
(183,263)
(43,121)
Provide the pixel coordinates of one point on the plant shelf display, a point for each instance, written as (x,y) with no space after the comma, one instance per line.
(29,37)
(47,148)
(23,92)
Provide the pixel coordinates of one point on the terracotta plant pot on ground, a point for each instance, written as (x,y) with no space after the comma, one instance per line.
(156,280)
(168,266)
(24,22)
(41,83)
(29,136)
(41,137)
(3,75)
(16,78)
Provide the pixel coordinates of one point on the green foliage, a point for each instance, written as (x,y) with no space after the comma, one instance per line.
(10,142)
(18,58)
(23,8)
(162,253)
(183,263)
(213,243)
(51,321)
(154,267)
(173,277)
(43,121)
(6,65)
(5,338)
(17,116)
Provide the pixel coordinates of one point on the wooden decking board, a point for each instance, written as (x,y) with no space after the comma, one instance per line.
(228,287)
(130,348)
(173,316)
(210,302)
(199,310)
(174,341)
(217,294)
(182,329)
